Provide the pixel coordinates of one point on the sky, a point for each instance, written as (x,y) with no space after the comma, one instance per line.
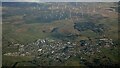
(60,0)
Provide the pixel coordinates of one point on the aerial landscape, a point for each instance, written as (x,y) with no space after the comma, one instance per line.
(60,34)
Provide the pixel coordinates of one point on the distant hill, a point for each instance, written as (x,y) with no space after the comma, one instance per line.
(19,4)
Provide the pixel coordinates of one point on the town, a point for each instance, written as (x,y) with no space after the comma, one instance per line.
(60,51)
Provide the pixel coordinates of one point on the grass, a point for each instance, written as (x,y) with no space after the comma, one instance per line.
(23,33)
(112,54)
(10,60)
(73,61)
(89,33)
